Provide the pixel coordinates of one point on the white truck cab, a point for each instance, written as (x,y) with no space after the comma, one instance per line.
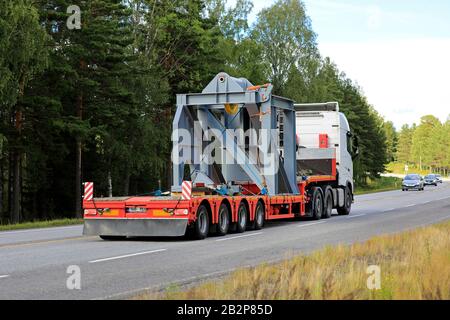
(321,129)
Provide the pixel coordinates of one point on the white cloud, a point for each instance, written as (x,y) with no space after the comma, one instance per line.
(403,80)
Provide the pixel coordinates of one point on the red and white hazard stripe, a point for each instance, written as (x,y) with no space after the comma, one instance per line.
(186,190)
(88,191)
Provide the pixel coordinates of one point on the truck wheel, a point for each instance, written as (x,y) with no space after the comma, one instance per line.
(201,226)
(113,238)
(345,210)
(317,203)
(242,218)
(258,223)
(327,203)
(223,223)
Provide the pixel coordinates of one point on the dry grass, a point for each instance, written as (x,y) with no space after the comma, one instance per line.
(414,265)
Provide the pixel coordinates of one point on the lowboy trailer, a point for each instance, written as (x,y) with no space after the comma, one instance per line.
(241,156)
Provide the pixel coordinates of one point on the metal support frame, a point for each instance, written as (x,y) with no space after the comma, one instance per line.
(262,108)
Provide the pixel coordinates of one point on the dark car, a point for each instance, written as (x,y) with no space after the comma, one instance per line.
(439,178)
(413,181)
(431,180)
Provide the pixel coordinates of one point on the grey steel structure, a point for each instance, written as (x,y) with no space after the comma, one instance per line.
(258,110)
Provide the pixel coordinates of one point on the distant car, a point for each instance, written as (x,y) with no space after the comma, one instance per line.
(413,181)
(439,178)
(431,180)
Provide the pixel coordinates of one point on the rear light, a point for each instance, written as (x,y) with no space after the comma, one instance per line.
(136,210)
(181,211)
(91,212)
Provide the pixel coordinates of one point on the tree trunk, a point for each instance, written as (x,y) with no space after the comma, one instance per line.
(16,188)
(17,160)
(127,184)
(78,161)
(79,152)
(10,183)
(1,188)
(109,184)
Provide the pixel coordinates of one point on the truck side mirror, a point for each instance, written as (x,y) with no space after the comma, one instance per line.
(354,145)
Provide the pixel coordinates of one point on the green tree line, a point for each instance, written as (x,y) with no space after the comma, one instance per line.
(96,103)
(425,146)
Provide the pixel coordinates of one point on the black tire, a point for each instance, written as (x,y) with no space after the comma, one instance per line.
(260,215)
(201,225)
(316,207)
(112,238)
(345,210)
(327,203)
(223,221)
(241,218)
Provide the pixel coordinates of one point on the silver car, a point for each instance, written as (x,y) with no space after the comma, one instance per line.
(431,180)
(439,178)
(414,182)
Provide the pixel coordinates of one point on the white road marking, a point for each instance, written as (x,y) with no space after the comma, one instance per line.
(310,224)
(40,230)
(127,256)
(356,216)
(4,276)
(237,237)
(409,205)
(387,210)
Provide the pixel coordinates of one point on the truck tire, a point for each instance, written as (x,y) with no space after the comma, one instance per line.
(223,221)
(258,223)
(317,203)
(113,238)
(345,210)
(201,225)
(327,203)
(241,218)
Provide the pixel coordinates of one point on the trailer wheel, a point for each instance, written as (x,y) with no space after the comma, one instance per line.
(327,203)
(201,226)
(317,203)
(242,218)
(258,223)
(345,210)
(113,238)
(223,223)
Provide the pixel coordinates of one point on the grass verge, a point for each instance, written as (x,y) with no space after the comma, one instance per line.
(40,224)
(379,185)
(413,264)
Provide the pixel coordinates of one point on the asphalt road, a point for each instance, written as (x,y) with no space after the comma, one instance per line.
(34,263)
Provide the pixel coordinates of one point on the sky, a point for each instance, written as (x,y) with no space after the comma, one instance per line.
(398,51)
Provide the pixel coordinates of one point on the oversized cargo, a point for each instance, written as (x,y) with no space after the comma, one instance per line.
(241,156)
